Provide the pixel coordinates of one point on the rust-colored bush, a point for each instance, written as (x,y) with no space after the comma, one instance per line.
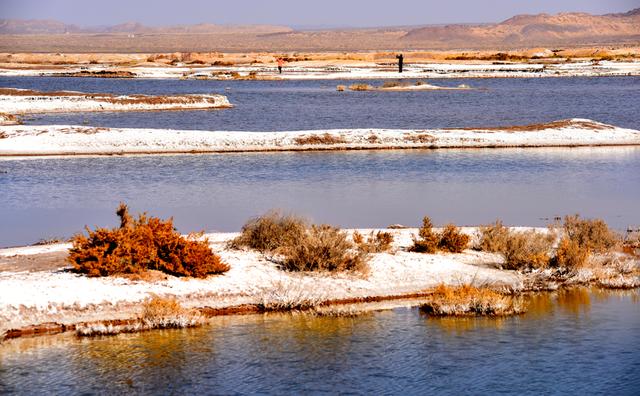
(376,242)
(590,234)
(270,232)
(527,250)
(493,237)
(570,255)
(145,243)
(360,87)
(323,248)
(428,240)
(452,240)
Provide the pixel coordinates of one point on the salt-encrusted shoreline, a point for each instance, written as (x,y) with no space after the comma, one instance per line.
(22,101)
(55,295)
(343,71)
(82,140)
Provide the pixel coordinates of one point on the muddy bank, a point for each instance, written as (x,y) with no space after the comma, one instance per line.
(82,140)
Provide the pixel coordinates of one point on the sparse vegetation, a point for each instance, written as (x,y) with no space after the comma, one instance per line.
(376,242)
(323,248)
(527,250)
(303,247)
(590,234)
(468,300)
(326,139)
(450,239)
(570,255)
(360,87)
(493,237)
(341,88)
(270,232)
(145,243)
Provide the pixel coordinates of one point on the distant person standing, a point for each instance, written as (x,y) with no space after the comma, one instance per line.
(280,64)
(400,62)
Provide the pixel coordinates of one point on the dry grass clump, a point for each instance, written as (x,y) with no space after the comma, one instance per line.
(360,87)
(167,313)
(570,255)
(593,235)
(145,243)
(341,88)
(323,248)
(419,138)
(289,296)
(450,239)
(376,242)
(493,237)
(468,300)
(302,247)
(527,250)
(325,139)
(271,231)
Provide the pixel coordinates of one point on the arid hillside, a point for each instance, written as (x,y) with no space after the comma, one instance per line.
(541,29)
(521,31)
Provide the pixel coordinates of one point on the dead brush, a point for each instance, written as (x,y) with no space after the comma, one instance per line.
(360,87)
(270,232)
(326,139)
(145,243)
(167,313)
(527,250)
(569,255)
(468,300)
(493,237)
(590,234)
(450,239)
(419,138)
(324,248)
(375,242)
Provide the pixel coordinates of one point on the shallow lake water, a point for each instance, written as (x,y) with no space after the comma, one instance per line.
(301,105)
(56,197)
(571,342)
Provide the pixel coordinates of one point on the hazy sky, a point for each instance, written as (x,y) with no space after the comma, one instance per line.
(297,13)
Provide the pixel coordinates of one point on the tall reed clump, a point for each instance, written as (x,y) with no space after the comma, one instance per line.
(468,300)
(450,239)
(145,243)
(581,238)
(301,247)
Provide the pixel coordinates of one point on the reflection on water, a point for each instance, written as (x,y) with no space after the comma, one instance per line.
(44,198)
(571,341)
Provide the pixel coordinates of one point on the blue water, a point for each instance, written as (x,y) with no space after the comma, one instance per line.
(298,105)
(571,343)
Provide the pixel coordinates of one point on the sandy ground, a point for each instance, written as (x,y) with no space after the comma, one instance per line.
(82,140)
(36,286)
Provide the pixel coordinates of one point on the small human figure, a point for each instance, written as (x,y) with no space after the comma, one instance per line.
(400,62)
(280,64)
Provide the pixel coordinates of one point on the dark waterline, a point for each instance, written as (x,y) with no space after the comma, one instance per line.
(574,343)
(56,197)
(301,105)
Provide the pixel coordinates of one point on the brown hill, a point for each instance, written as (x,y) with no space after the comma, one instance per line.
(533,30)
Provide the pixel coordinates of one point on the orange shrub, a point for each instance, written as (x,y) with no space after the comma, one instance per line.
(570,255)
(376,242)
(452,240)
(142,244)
(428,240)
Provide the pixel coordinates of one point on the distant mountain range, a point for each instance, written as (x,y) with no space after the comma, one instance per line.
(537,29)
(517,32)
(34,26)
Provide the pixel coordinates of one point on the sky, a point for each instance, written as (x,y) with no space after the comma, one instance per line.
(296,13)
